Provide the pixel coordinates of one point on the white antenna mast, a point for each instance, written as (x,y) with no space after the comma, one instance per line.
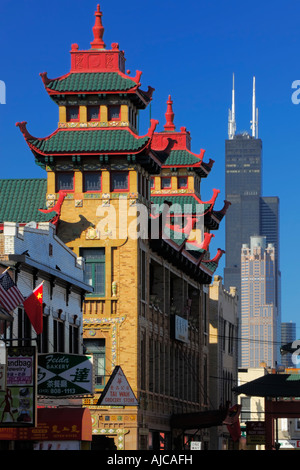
(254,122)
(231,119)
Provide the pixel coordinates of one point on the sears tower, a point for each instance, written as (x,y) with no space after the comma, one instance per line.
(250,213)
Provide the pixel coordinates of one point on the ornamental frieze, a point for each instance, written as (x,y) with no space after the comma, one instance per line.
(93,124)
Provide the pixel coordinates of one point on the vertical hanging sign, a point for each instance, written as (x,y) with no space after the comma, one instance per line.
(18,399)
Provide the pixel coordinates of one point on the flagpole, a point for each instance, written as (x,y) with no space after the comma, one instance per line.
(5,271)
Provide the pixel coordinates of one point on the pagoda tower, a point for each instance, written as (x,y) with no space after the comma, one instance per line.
(101,175)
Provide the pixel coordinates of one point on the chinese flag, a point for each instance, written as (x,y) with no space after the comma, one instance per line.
(33,306)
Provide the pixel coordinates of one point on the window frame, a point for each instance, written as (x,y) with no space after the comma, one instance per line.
(113,173)
(59,173)
(84,182)
(163,179)
(245,409)
(74,338)
(43,338)
(58,335)
(99,352)
(93,263)
(181,178)
(109,109)
(89,119)
(69,108)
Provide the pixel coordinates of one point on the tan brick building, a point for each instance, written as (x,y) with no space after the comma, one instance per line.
(148,312)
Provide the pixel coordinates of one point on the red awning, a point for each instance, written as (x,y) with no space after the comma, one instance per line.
(64,424)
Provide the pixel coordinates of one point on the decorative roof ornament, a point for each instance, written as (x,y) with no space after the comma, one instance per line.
(169,126)
(98,31)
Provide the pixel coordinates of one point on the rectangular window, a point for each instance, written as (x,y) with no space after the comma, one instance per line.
(152,183)
(92,181)
(73,339)
(165,183)
(182,182)
(73,114)
(43,338)
(64,181)
(119,181)
(114,113)
(93,113)
(246,409)
(95,269)
(96,347)
(58,335)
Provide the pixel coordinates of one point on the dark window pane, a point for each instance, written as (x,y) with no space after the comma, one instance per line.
(182,182)
(166,183)
(92,181)
(73,113)
(119,181)
(99,278)
(94,274)
(93,254)
(65,181)
(113,113)
(93,113)
(97,348)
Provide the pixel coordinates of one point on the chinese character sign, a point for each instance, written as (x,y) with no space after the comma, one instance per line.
(62,375)
(18,399)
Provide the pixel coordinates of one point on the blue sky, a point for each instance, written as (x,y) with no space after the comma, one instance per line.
(189,50)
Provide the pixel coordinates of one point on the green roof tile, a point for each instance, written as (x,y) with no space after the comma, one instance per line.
(188,203)
(89,82)
(98,140)
(20,200)
(181,157)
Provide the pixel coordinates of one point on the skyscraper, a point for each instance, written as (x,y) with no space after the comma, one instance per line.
(259,315)
(243,187)
(250,214)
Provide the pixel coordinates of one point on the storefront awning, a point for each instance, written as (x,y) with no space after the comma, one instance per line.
(272,385)
(64,424)
(200,420)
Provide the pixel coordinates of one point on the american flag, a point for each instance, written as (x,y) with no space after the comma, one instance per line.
(10,296)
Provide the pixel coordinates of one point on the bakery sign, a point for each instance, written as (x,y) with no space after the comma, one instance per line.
(64,375)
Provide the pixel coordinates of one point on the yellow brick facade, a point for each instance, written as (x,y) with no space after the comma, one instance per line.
(152,311)
(129,324)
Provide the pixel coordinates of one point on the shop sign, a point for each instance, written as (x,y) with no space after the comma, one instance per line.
(181,329)
(195,445)
(64,375)
(289,444)
(18,399)
(117,391)
(255,432)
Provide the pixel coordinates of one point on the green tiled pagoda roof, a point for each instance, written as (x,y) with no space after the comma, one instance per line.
(181,157)
(188,203)
(21,199)
(90,141)
(91,82)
